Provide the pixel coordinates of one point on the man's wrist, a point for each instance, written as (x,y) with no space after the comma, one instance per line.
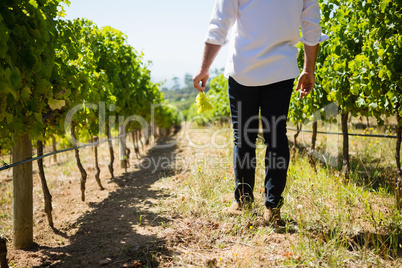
(204,70)
(305,70)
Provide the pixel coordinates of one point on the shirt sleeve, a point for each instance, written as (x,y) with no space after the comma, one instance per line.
(223,17)
(310,24)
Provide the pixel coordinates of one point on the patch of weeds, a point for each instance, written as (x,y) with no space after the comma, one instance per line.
(329,222)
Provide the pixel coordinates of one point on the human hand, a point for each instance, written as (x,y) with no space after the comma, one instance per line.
(202,77)
(305,83)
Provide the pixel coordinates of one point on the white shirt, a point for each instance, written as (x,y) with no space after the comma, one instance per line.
(265,37)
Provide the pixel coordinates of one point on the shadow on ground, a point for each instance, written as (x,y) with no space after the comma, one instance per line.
(110,231)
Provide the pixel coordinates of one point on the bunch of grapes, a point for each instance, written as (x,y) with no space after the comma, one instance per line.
(203,103)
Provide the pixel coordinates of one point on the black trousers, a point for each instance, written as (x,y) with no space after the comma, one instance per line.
(245,106)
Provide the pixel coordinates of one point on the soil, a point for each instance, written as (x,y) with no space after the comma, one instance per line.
(129,224)
(118,227)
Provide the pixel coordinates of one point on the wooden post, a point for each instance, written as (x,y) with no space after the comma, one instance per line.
(398,183)
(398,142)
(122,145)
(22,194)
(314,137)
(345,150)
(313,142)
(111,151)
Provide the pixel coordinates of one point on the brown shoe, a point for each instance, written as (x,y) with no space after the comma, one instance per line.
(273,216)
(234,209)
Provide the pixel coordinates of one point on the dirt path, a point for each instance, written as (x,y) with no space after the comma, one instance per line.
(166,211)
(118,227)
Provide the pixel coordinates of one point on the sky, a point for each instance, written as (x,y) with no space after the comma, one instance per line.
(170,32)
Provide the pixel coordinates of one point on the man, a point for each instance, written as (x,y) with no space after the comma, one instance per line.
(261,68)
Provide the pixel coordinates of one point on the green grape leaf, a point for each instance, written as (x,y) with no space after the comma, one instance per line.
(383,4)
(373,105)
(390,94)
(42,86)
(26,93)
(9,118)
(354,90)
(381,73)
(15,77)
(36,34)
(3,39)
(38,117)
(360,102)
(56,104)
(12,92)
(4,88)
(30,60)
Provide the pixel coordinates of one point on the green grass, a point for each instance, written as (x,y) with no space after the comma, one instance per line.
(6,208)
(330,222)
